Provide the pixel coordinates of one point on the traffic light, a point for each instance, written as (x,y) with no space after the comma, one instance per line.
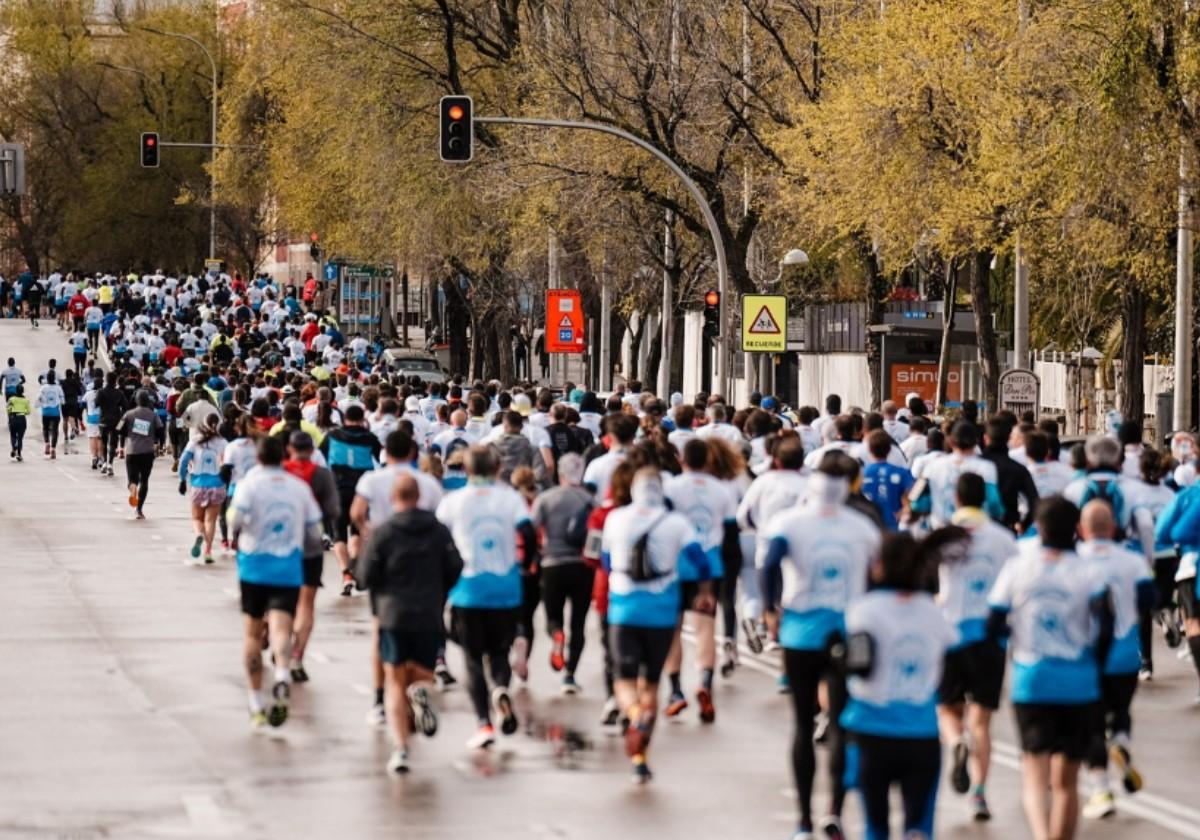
(712,314)
(314,248)
(457,130)
(150,149)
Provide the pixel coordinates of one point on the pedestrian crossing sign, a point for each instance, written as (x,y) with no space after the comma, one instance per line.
(764,323)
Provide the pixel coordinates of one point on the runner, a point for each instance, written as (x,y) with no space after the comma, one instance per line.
(643,545)
(18,408)
(896,639)
(139,430)
(270,517)
(200,470)
(484,518)
(111,402)
(974,668)
(829,549)
(1051,601)
(409,565)
(320,480)
(351,451)
(50,401)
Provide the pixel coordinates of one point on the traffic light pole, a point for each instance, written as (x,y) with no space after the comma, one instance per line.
(721,367)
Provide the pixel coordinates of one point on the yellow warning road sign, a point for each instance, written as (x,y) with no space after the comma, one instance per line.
(764,323)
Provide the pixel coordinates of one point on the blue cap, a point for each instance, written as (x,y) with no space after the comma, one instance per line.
(216,383)
(770,403)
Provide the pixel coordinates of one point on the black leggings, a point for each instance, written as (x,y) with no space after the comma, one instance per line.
(532,596)
(728,591)
(1164,585)
(571,581)
(911,763)
(805,669)
(16,431)
(50,430)
(1111,715)
(110,440)
(137,470)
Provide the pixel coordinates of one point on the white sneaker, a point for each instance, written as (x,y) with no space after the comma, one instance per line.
(376,716)
(1099,805)
(519,658)
(485,736)
(398,763)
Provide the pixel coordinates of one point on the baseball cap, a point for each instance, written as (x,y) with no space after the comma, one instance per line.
(343,369)
(412,404)
(521,405)
(770,403)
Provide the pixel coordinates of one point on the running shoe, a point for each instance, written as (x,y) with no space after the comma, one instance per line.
(728,658)
(175,465)
(960,776)
(1171,631)
(1121,759)
(754,640)
(821,728)
(398,763)
(519,658)
(225,546)
(299,675)
(831,829)
(422,709)
(133,497)
(803,834)
(258,719)
(610,714)
(675,705)
(347,584)
(139,515)
(95,463)
(979,808)
(569,687)
(708,712)
(19,458)
(637,735)
(1145,674)
(445,679)
(376,716)
(557,660)
(1100,805)
(196,546)
(53,454)
(208,560)
(641,771)
(484,737)
(47,450)
(278,713)
(502,702)
(782,686)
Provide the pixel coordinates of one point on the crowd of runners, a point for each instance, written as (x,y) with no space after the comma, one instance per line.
(897,561)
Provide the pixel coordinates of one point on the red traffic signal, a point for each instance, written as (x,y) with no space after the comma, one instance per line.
(456,129)
(150,149)
(712,298)
(712,314)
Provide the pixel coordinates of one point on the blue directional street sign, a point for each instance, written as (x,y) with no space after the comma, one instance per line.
(566,335)
(331,272)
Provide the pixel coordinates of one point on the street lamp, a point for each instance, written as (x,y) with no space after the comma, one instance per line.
(792,257)
(212,173)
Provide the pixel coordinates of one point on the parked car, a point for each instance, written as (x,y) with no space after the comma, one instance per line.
(406,361)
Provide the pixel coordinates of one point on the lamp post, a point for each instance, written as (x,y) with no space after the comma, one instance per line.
(766,373)
(212,172)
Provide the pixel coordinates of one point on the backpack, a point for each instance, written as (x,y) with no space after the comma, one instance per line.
(563,440)
(1107,490)
(641,569)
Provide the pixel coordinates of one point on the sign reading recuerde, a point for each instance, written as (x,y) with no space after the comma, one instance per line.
(564,321)
(764,323)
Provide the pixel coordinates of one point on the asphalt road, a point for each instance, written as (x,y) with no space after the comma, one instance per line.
(122,709)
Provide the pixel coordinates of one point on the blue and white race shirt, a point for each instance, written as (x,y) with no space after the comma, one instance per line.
(942,475)
(826,554)
(201,462)
(242,455)
(708,505)
(654,602)
(378,485)
(898,699)
(964,583)
(1123,571)
(1048,597)
(271,512)
(772,492)
(483,518)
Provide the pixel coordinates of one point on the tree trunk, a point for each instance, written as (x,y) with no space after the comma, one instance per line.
(985,334)
(477,342)
(653,359)
(876,293)
(1133,351)
(454,330)
(490,344)
(502,327)
(951,292)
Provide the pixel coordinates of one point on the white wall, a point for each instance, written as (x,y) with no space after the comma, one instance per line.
(844,374)
(693,326)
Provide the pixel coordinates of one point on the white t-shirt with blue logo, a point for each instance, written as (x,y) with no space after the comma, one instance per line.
(1048,597)
(898,699)
(483,519)
(645,603)
(827,553)
(272,510)
(1123,571)
(943,474)
(964,583)
(772,492)
(707,504)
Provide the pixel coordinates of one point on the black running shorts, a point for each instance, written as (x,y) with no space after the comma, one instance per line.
(639,651)
(1185,593)
(313,566)
(1062,729)
(478,631)
(973,673)
(259,598)
(418,646)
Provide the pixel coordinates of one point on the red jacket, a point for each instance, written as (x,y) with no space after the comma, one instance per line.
(311,330)
(77,305)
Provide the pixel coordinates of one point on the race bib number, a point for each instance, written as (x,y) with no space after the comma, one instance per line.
(141,427)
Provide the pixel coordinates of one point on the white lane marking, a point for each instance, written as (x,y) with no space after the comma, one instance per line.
(1163,812)
(67,474)
(362,689)
(317,656)
(204,813)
